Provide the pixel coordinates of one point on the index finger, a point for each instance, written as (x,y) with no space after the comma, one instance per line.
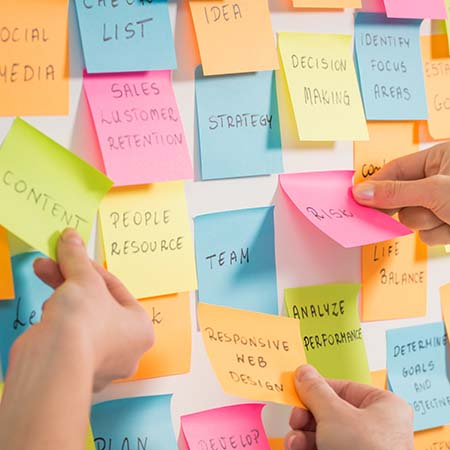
(407,168)
(358,395)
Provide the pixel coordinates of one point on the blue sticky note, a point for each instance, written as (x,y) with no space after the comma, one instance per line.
(17,315)
(126,36)
(235,253)
(389,64)
(141,423)
(238,125)
(417,372)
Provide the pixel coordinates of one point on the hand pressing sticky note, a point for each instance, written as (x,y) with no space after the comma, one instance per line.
(236,427)
(417,372)
(234,113)
(134,423)
(147,239)
(235,253)
(234,36)
(171,352)
(416,9)
(435,439)
(254,355)
(323,86)
(125,36)
(44,189)
(34,67)
(17,315)
(436,61)
(325,199)
(330,329)
(6,276)
(390,69)
(139,127)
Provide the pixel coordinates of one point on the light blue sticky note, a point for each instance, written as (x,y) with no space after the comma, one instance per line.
(17,315)
(417,372)
(389,64)
(235,254)
(126,36)
(141,423)
(238,125)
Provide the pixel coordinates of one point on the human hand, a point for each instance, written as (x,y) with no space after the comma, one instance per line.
(344,415)
(418,187)
(93,307)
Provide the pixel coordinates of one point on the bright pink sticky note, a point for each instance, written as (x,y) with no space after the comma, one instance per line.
(416,9)
(374,6)
(138,127)
(325,198)
(235,427)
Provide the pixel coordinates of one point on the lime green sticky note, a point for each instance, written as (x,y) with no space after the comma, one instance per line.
(90,445)
(44,189)
(331,329)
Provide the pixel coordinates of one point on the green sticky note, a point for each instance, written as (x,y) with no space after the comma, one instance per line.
(331,329)
(44,189)
(90,444)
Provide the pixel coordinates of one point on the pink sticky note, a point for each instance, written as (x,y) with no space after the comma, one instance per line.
(325,198)
(138,127)
(235,427)
(416,9)
(374,6)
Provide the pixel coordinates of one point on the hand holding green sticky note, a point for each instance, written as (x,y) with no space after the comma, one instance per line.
(44,189)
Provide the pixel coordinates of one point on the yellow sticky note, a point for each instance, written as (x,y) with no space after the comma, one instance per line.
(6,276)
(90,445)
(394,273)
(147,238)
(254,355)
(447,248)
(327,4)
(434,439)
(34,67)
(44,189)
(436,64)
(379,379)
(171,352)
(323,86)
(234,36)
(447,23)
(276,443)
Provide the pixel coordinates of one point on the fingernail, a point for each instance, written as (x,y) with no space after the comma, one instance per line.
(291,442)
(364,191)
(70,236)
(304,373)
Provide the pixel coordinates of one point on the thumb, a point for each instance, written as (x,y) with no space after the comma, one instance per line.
(394,194)
(315,393)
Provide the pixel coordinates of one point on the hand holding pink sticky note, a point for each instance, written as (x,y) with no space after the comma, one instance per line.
(325,199)
(236,427)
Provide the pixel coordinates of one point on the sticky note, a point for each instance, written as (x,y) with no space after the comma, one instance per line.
(237,426)
(138,423)
(6,276)
(126,36)
(436,61)
(330,329)
(276,443)
(379,379)
(434,439)
(34,70)
(327,4)
(447,22)
(416,9)
(17,315)
(235,252)
(394,272)
(325,199)
(90,440)
(374,6)
(417,372)
(139,127)
(445,304)
(238,125)
(389,66)
(323,86)
(234,36)
(171,318)
(147,238)
(254,355)
(43,184)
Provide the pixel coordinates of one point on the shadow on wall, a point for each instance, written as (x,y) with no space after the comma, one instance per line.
(76,55)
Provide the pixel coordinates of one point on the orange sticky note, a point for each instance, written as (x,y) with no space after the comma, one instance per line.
(327,4)
(254,355)
(445,305)
(276,443)
(6,276)
(171,353)
(394,273)
(434,439)
(34,66)
(436,64)
(379,379)
(234,36)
